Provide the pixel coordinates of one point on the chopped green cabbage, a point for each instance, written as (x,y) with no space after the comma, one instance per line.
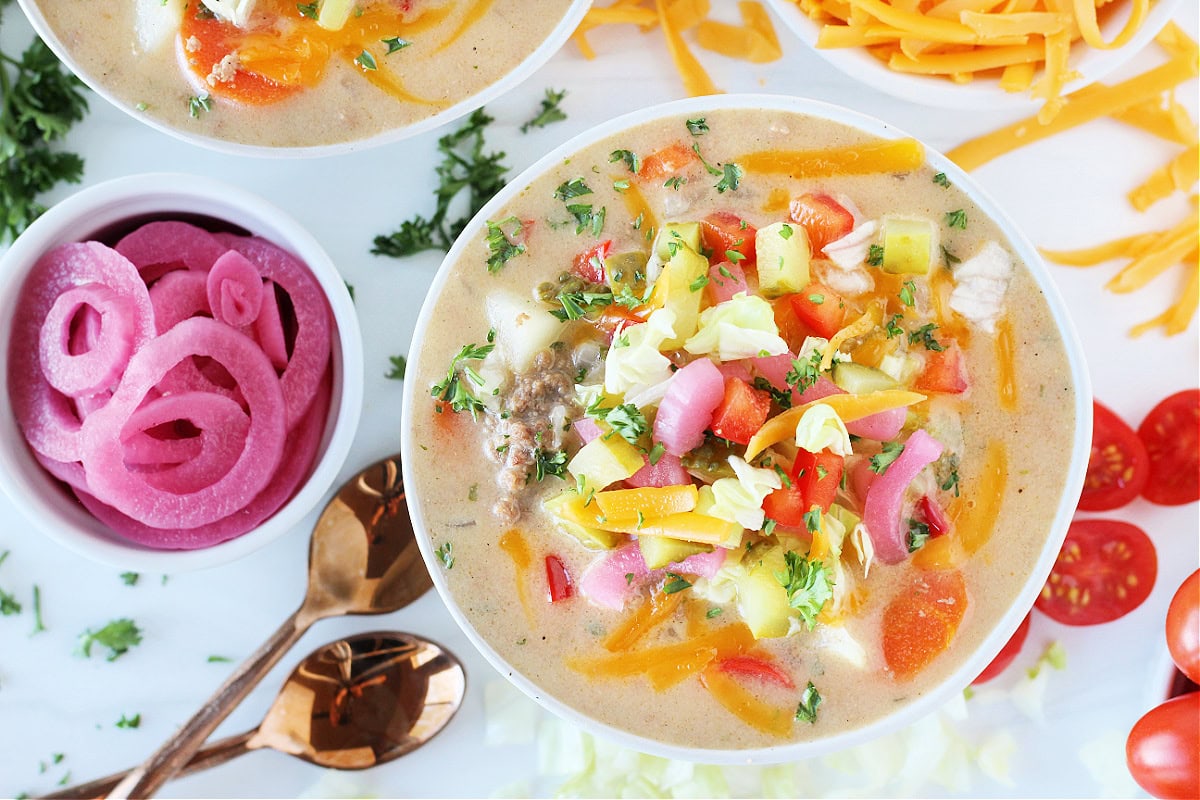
(740,499)
(634,360)
(741,327)
(820,428)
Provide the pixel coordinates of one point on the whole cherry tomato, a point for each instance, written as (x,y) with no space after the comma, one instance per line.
(1163,749)
(1183,627)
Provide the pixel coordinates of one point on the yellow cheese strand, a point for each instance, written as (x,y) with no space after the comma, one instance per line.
(1089,27)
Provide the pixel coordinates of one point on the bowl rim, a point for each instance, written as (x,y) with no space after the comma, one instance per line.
(102,205)
(983,94)
(993,642)
(507,82)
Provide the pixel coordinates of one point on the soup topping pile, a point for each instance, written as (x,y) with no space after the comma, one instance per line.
(178,382)
(751,417)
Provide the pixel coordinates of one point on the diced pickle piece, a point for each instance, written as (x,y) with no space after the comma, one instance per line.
(658,551)
(762,599)
(602,462)
(685,233)
(626,270)
(783,258)
(861,379)
(909,245)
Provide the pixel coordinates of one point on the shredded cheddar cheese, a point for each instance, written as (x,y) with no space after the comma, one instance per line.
(754,40)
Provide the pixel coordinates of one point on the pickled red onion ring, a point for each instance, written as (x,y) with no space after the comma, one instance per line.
(222,426)
(268,328)
(234,289)
(107,343)
(158,248)
(110,479)
(47,418)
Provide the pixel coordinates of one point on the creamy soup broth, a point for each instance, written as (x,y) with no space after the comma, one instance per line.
(455,475)
(471,45)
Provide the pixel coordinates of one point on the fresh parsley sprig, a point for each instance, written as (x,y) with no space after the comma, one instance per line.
(118,636)
(808,585)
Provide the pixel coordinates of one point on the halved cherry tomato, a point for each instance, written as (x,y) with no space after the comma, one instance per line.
(824,317)
(817,476)
(944,371)
(921,621)
(558,581)
(210,39)
(1118,467)
(823,218)
(1163,748)
(758,668)
(1007,653)
(741,412)
(1171,433)
(1183,627)
(1106,569)
(668,161)
(723,232)
(589,264)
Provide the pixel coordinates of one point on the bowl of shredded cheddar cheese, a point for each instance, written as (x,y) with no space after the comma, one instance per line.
(974,53)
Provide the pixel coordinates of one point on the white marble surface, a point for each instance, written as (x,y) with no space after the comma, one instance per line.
(1067,191)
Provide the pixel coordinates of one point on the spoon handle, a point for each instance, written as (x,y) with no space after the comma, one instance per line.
(216,753)
(145,780)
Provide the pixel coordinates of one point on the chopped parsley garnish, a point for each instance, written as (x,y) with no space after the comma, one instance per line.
(453,390)
(628,422)
(735,256)
(785,232)
(39,102)
(8,602)
(630,158)
(941,180)
(445,554)
(549,462)
(816,299)
(732,177)
(807,584)
(501,248)
(804,372)
(576,187)
(130,722)
(629,576)
(198,103)
(38,626)
(906,293)
(464,168)
(366,61)
(891,451)
(810,700)
(396,371)
(675,183)
(957,219)
(951,482)
(620,185)
(713,612)
(782,397)
(578,304)
(917,535)
(924,335)
(395,44)
(714,171)
(118,636)
(698,284)
(675,583)
(550,111)
(586,217)
(218,659)
(893,329)
(812,520)
(129,578)
(875,255)
(310,10)
(697,127)
(656,453)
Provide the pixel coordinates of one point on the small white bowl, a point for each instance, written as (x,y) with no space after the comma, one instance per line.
(907,713)
(982,93)
(100,85)
(122,203)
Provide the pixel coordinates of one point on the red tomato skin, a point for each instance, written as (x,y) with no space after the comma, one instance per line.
(823,218)
(741,412)
(1183,627)
(1171,434)
(723,231)
(824,318)
(758,668)
(806,476)
(786,506)
(944,371)
(1011,649)
(1163,748)
(1118,466)
(589,264)
(559,585)
(1106,569)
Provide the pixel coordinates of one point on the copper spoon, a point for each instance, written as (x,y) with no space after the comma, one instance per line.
(352,704)
(363,559)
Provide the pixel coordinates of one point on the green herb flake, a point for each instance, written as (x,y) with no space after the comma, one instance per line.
(587,218)
(675,583)
(916,535)
(949,257)
(576,187)
(445,554)
(951,482)
(620,185)
(699,283)
(808,586)
(8,602)
(550,112)
(311,10)
(713,612)
(732,177)
(875,255)
(907,293)
(697,127)
(891,451)
(628,157)
(812,520)
(957,219)
(129,723)
(199,103)
(118,636)
(893,329)
(218,659)
(366,61)
(455,390)
(675,183)
(656,453)
(627,421)
(395,44)
(629,576)
(816,299)
(810,701)
(804,372)
(924,335)
(501,249)
(941,180)
(549,462)
(396,371)
(38,625)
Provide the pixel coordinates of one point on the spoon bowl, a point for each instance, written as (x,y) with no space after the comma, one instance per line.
(351,704)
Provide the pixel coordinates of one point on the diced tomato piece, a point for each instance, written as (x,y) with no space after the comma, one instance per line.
(922,620)
(757,668)
(944,371)
(823,218)
(820,308)
(817,476)
(667,161)
(932,515)
(613,318)
(589,264)
(559,585)
(786,506)
(741,412)
(791,329)
(724,232)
